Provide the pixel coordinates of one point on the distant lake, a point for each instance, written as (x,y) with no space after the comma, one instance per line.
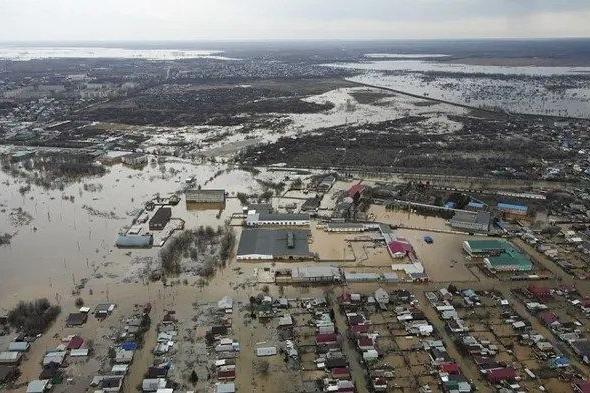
(25,53)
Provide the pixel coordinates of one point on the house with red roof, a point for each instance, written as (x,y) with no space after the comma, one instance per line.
(349,299)
(501,374)
(549,318)
(340,373)
(359,329)
(581,386)
(75,343)
(539,293)
(450,368)
(365,343)
(400,248)
(345,299)
(226,375)
(356,191)
(326,339)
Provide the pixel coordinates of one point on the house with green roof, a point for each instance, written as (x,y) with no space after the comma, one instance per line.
(498,255)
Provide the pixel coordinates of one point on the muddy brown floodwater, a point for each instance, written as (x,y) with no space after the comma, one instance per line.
(68,240)
(71,237)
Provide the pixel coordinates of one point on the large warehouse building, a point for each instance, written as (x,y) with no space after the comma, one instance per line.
(471,221)
(277,219)
(205,196)
(270,244)
(499,255)
(513,208)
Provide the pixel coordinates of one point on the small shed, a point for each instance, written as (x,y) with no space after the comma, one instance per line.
(10,358)
(153,384)
(370,355)
(225,387)
(266,351)
(124,356)
(381,296)
(81,352)
(19,346)
(38,386)
(76,319)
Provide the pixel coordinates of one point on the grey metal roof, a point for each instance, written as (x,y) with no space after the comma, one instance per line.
(345,225)
(261,207)
(18,346)
(134,241)
(225,387)
(37,386)
(274,242)
(481,217)
(194,195)
(283,217)
(315,272)
(351,276)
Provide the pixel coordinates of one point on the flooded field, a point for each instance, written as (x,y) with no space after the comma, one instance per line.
(73,230)
(558,91)
(407,219)
(349,109)
(444,258)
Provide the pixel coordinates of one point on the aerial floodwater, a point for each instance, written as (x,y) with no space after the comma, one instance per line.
(555,90)
(295,216)
(24,53)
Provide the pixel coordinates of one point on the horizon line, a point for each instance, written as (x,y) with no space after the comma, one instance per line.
(252,40)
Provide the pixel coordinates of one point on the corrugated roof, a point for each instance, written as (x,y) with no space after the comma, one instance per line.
(283,217)
(205,195)
(18,346)
(481,217)
(37,386)
(225,388)
(315,271)
(274,242)
(134,241)
(512,206)
(500,254)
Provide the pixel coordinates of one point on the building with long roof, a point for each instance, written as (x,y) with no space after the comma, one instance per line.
(471,221)
(498,255)
(270,244)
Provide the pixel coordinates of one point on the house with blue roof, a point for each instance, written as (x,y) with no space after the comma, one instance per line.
(512,208)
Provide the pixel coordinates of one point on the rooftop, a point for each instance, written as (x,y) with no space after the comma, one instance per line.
(195,195)
(481,217)
(275,242)
(500,254)
(283,217)
(512,206)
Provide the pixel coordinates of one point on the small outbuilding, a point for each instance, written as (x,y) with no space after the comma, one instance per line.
(38,386)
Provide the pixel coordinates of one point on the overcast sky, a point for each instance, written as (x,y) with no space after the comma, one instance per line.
(290,19)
